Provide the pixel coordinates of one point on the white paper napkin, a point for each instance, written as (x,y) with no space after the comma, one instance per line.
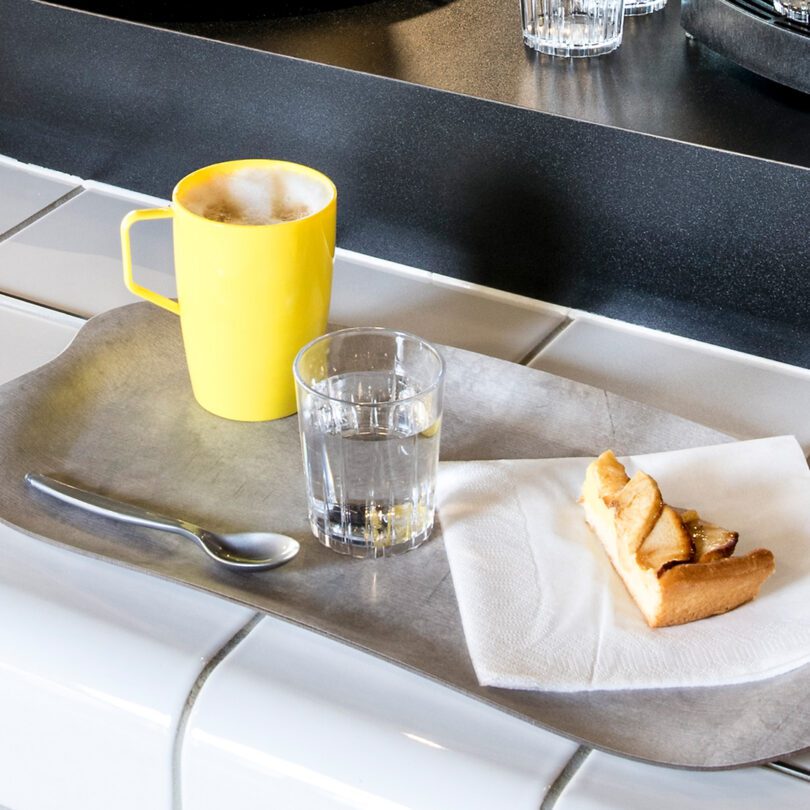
(542,607)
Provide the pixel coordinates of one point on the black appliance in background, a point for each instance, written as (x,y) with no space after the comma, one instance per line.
(752,34)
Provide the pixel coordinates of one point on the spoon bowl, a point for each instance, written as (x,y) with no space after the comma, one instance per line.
(244,550)
(249,549)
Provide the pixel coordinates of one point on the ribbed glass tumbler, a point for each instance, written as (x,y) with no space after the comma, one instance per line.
(369,411)
(635,8)
(572,27)
(796,10)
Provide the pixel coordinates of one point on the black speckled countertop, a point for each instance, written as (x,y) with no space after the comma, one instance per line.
(478,160)
(657,83)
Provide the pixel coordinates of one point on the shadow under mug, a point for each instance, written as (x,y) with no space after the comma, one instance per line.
(249,296)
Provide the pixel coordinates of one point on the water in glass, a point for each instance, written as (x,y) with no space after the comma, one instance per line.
(371,447)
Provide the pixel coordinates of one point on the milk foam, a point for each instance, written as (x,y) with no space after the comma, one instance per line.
(253,196)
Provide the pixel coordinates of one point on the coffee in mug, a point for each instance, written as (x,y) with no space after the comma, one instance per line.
(257,196)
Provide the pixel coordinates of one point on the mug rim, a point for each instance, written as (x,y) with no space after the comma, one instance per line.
(298,168)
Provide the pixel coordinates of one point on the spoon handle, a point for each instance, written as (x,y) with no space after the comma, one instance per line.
(108,507)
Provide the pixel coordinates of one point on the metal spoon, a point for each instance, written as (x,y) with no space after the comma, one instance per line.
(249,550)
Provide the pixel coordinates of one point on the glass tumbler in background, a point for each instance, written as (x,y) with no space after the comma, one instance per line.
(635,8)
(572,27)
(796,10)
(369,410)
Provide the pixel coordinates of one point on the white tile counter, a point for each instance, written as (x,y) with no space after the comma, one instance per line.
(95,669)
(604,782)
(373,292)
(382,737)
(96,662)
(130,692)
(70,258)
(746,396)
(26,190)
(31,336)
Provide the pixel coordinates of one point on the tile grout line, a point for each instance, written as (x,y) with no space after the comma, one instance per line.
(40,305)
(66,197)
(545,341)
(787,769)
(557,787)
(182,724)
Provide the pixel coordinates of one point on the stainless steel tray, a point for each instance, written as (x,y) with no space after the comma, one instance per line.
(115,413)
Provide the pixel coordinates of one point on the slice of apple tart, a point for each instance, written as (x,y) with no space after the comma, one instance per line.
(677,567)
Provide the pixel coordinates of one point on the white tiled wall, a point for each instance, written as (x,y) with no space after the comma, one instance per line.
(30,336)
(71,257)
(384,738)
(802,760)
(25,190)
(605,782)
(371,292)
(745,396)
(96,665)
(96,661)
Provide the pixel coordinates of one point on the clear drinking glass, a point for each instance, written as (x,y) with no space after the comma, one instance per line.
(572,27)
(369,410)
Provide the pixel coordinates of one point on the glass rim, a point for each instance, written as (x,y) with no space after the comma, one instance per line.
(378,330)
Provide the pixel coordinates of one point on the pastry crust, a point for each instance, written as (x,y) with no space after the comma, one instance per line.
(651,550)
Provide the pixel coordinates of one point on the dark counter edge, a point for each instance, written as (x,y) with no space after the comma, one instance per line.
(690,240)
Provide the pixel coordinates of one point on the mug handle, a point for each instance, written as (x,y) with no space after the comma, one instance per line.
(126,249)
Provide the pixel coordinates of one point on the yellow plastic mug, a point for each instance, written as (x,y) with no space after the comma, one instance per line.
(249,296)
